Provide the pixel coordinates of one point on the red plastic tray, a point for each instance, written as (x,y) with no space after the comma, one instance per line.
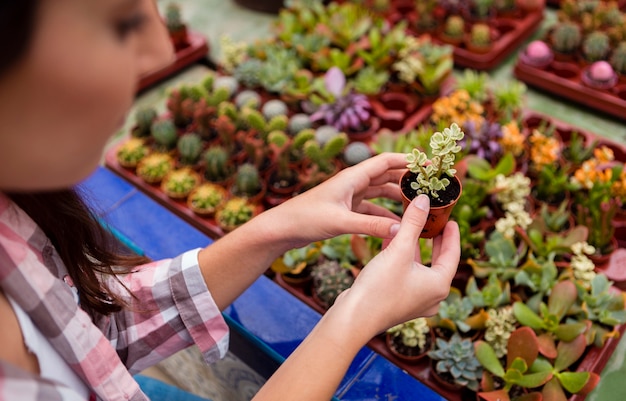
(197,49)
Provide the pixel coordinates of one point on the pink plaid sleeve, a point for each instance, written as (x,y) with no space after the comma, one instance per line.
(16,384)
(172,309)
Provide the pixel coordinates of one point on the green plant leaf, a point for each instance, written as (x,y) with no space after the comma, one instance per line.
(562,298)
(527,316)
(534,380)
(553,391)
(487,357)
(573,381)
(569,352)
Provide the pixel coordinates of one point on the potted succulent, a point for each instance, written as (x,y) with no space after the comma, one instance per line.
(435,178)
(537,54)
(153,167)
(235,212)
(144,117)
(329,280)
(248,184)
(189,148)
(176,27)
(218,167)
(453,30)
(178,184)
(480,39)
(455,364)
(410,341)
(130,153)
(295,266)
(206,198)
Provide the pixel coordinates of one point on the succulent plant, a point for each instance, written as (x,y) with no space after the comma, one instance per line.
(566,37)
(356,152)
(344,111)
(153,167)
(483,141)
(369,80)
(298,122)
(273,108)
(457,358)
(189,148)
(413,333)
(173,19)
(248,98)
(131,152)
(144,117)
(248,73)
(454,26)
(454,312)
(618,58)
(164,134)
(179,183)
(206,198)
(247,181)
(330,280)
(499,326)
(226,82)
(480,34)
(217,164)
(235,212)
(322,156)
(596,46)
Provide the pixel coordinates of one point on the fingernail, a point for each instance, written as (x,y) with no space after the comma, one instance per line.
(394,229)
(422,202)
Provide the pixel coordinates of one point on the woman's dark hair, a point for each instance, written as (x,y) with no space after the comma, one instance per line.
(85,246)
(17,21)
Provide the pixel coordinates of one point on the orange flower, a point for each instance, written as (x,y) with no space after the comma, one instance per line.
(544,150)
(512,139)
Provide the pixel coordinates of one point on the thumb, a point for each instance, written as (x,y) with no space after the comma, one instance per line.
(413,220)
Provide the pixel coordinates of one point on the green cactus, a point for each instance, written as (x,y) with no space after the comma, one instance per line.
(596,46)
(618,58)
(247,98)
(330,280)
(454,26)
(131,152)
(457,358)
(323,155)
(249,73)
(164,134)
(227,82)
(247,181)
(217,164)
(273,108)
(298,122)
(277,123)
(480,34)
(235,212)
(189,148)
(566,37)
(356,152)
(144,117)
(173,19)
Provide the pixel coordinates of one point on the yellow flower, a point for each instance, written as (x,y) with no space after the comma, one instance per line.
(544,150)
(512,139)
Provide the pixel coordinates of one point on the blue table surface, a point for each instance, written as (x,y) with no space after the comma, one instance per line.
(271,318)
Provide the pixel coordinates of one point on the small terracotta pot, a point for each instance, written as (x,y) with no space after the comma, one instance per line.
(410,359)
(438,215)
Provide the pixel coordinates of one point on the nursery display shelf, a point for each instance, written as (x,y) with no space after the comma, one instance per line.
(510,33)
(196,50)
(564,79)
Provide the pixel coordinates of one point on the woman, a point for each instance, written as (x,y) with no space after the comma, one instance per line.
(77,319)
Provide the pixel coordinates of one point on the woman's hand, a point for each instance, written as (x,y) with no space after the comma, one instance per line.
(339,205)
(395,286)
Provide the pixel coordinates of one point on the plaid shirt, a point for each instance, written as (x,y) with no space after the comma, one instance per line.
(176,311)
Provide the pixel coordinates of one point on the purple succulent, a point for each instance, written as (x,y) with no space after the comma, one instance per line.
(347,111)
(483,142)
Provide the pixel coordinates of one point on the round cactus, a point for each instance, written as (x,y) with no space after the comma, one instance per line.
(324,133)
(566,37)
(596,46)
(298,122)
(455,26)
(247,181)
(480,34)
(227,82)
(189,147)
(217,164)
(330,280)
(274,108)
(144,117)
(356,152)
(164,134)
(618,58)
(249,73)
(248,98)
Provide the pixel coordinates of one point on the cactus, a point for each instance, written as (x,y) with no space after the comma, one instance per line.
(217,164)
(131,152)
(173,19)
(247,98)
(164,134)
(455,26)
(330,280)
(249,73)
(618,58)
(234,213)
(144,117)
(179,183)
(457,358)
(154,167)
(566,37)
(323,155)
(356,152)
(298,122)
(277,123)
(274,108)
(480,34)
(596,46)
(227,82)
(247,181)
(325,133)
(189,148)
